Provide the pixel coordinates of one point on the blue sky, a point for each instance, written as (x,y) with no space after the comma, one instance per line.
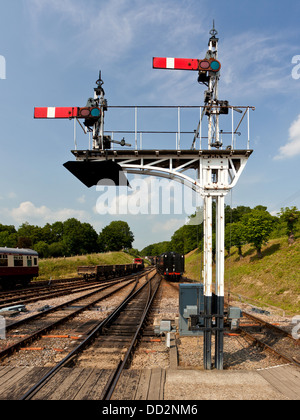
(53,51)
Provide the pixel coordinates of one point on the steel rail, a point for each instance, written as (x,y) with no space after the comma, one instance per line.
(16,346)
(34,287)
(100,287)
(74,353)
(267,347)
(267,324)
(56,291)
(39,284)
(113,381)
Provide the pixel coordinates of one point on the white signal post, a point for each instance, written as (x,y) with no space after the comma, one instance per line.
(217,175)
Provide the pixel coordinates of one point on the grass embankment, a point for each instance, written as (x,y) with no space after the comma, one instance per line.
(273,280)
(67,267)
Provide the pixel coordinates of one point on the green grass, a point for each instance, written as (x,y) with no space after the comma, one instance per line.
(67,267)
(273,280)
(193,265)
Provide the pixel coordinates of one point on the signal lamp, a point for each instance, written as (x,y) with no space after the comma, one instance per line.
(204,65)
(215,65)
(95,112)
(88,113)
(209,65)
(223,107)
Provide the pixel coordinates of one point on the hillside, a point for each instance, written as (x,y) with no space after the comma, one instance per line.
(67,267)
(273,280)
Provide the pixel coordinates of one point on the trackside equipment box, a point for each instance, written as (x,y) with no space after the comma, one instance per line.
(191,302)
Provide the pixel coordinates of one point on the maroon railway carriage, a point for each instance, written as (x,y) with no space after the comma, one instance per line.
(17,266)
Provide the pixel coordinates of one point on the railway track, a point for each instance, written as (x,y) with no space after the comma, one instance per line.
(24,332)
(133,328)
(122,326)
(42,293)
(37,283)
(270,337)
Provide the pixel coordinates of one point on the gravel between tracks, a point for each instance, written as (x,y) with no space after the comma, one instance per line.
(238,354)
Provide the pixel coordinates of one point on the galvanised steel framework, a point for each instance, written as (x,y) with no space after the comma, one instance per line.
(216,169)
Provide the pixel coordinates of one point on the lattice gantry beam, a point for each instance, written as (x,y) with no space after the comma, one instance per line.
(209,173)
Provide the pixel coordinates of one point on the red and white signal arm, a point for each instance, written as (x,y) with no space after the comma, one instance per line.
(186,64)
(67,112)
(56,112)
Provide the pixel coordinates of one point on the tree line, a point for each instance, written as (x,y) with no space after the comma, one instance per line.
(243,225)
(68,238)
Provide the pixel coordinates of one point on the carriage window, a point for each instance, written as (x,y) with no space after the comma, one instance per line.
(29,262)
(35,261)
(18,261)
(3,260)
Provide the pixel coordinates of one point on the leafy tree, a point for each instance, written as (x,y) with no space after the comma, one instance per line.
(290,216)
(189,236)
(178,240)
(8,239)
(258,225)
(34,233)
(233,215)
(79,238)
(42,248)
(57,249)
(57,231)
(116,236)
(157,249)
(8,228)
(235,236)
(24,242)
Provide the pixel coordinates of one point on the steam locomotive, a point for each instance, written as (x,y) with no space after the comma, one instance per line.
(170,265)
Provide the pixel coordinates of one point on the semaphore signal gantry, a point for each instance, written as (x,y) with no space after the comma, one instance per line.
(92,113)
(216,170)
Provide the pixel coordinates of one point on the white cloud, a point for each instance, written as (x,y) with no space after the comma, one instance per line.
(81,199)
(113,29)
(255,64)
(10,196)
(292,147)
(28,212)
(170,226)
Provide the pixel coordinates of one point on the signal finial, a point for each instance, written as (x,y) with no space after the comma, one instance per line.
(213,32)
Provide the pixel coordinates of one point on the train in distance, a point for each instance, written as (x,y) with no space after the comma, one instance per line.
(139,261)
(170,265)
(110,271)
(17,266)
